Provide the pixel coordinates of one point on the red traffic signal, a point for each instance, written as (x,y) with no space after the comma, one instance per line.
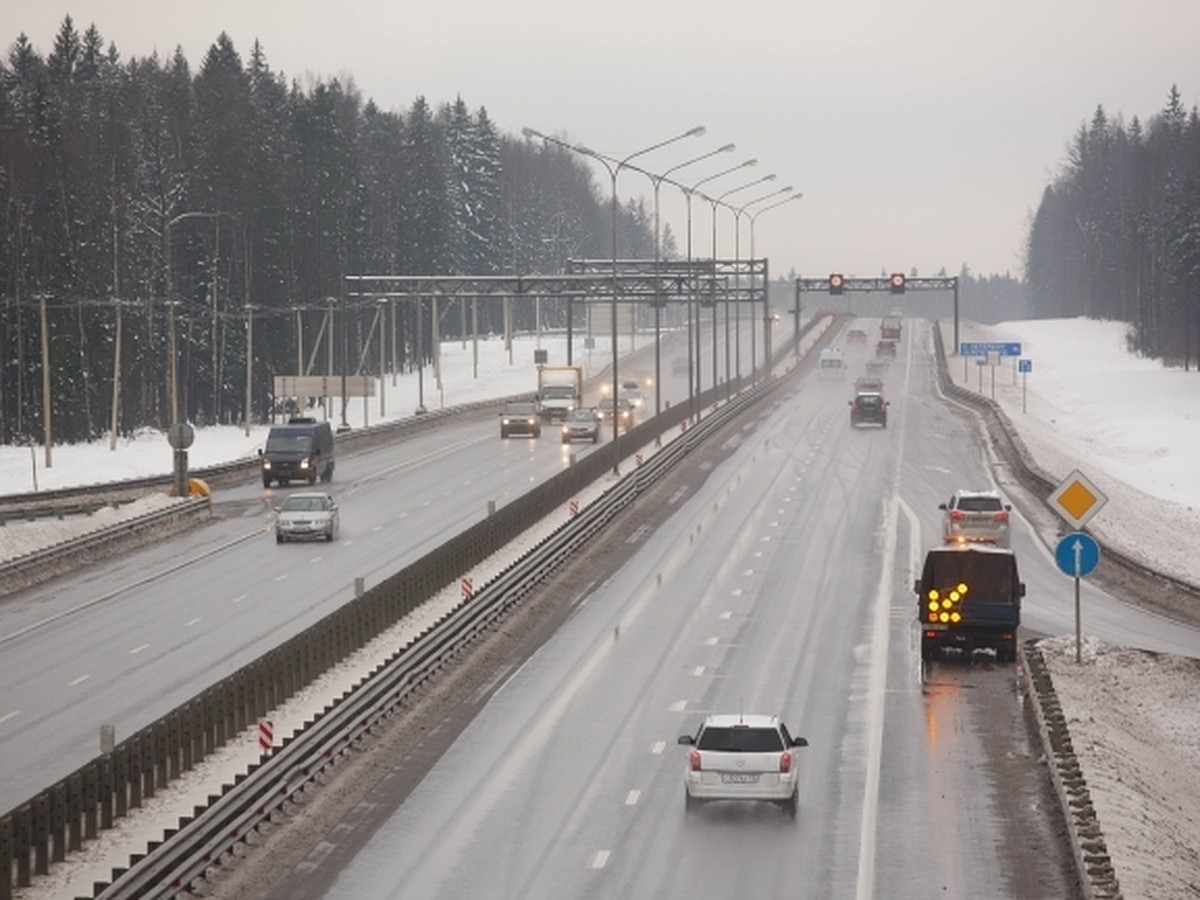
(896,283)
(836,283)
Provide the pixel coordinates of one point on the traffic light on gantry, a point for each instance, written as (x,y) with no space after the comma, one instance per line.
(837,284)
(896,283)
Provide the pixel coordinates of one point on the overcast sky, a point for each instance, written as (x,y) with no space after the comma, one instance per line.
(920,132)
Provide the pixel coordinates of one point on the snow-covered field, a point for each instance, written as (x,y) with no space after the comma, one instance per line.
(1127,422)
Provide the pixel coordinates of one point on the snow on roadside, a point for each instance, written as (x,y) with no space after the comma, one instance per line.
(1131,717)
(23,536)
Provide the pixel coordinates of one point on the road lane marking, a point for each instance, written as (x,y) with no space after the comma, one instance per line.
(138,649)
(698,671)
(632,797)
(80,680)
(601,859)
(656,748)
(728,614)
(191,623)
(7,716)
(678,706)
(240,598)
(281,577)
(712,641)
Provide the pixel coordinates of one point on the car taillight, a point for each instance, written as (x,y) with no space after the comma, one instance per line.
(957,515)
(1002,516)
(785,762)
(695,760)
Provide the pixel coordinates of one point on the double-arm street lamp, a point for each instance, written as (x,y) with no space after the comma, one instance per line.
(694,356)
(614,170)
(656,180)
(766,287)
(715,202)
(737,259)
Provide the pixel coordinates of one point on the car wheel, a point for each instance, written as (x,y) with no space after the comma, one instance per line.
(278,538)
(266,482)
(329,536)
(690,803)
(791,805)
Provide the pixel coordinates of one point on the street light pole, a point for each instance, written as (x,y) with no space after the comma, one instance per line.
(694,300)
(613,172)
(737,259)
(766,287)
(717,201)
(173,362)
(656,181)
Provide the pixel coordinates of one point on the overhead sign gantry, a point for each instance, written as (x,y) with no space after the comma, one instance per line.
(837,284)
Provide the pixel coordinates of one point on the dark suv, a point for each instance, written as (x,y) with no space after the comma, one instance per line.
(520,417)
(868,407)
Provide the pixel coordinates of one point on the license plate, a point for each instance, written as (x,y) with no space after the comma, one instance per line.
(937,626)
(738,778)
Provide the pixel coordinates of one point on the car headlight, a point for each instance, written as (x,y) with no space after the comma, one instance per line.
(266,464)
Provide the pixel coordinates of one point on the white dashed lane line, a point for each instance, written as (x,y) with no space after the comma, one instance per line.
(138,649)
(600,860)
(191,623)
(656,748)
(280,577)
(678,706)
(80,680)
(632,798)
(240,598)
(11,715)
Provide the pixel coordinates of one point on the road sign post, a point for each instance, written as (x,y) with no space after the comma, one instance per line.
(1076,499)
(1077,555)
(1025,366)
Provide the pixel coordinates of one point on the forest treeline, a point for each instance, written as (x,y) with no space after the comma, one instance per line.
(147,206)
(1117,233)
(143,198)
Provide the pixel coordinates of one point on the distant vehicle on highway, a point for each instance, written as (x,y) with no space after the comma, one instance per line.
(307,515)
(856,336)
(520,417)
(868,407)
(620,407)
(975,516)
(581,425)
(742,757)
(301,450)
(631,390)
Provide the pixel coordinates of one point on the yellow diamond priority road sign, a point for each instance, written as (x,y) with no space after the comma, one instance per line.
(1077,499)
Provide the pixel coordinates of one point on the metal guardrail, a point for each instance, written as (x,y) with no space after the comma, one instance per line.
(22,571)
(60,818)
(177,864)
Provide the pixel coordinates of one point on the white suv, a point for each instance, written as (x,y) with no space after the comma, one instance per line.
(970,516)
(742,757)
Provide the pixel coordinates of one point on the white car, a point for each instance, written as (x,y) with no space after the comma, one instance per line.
(742,757)
(970,516)
(307,515)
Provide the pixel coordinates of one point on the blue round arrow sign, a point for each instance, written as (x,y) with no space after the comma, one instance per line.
(1077,554)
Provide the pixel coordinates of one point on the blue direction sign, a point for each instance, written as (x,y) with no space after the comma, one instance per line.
(1077,554)
(983,348)
(1024,366)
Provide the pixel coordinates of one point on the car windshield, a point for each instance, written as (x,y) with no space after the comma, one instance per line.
(979,504)
(740,739)
(558,391)
(304,504)
(519,409)
(868,400)
(288,442)
(582,415)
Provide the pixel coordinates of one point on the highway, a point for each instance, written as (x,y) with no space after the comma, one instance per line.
(124,641)
(776,581)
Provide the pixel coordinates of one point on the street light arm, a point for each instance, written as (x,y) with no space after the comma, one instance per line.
(759,212)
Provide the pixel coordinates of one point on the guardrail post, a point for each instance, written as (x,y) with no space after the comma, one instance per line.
(91,798)
(75,807)
(124,780)
(39,834)
(23,843)
(8,850)
(106,790)
(58,822)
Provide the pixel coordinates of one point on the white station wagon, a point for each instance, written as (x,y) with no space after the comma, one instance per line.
(742,757)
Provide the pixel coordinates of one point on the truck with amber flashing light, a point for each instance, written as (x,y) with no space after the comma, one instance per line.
(968,599)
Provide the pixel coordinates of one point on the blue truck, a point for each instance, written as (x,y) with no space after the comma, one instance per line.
(969,598)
